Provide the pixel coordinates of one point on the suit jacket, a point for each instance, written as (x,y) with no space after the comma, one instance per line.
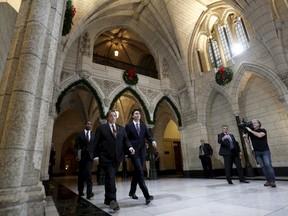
(208,151)
(87,147)
(138,142)
(225,145)
(108,148)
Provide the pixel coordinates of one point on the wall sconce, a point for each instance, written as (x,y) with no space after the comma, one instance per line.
(116,52)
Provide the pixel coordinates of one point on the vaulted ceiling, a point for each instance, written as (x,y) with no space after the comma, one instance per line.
(171,20)
(163,27)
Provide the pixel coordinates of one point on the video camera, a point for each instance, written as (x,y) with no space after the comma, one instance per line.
(242,126)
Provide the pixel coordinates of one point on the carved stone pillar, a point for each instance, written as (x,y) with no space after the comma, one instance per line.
(44,176)
(25,91)
(151,153)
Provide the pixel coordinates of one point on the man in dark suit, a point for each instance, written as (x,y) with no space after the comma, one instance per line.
(111,145)
(205,154)
(231,152)
(85,148)
(137,132)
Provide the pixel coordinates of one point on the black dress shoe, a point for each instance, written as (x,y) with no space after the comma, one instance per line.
(244,181)
(230,182)
(90,195)
(114,205)
(81,194)
(133,195)
(149,199)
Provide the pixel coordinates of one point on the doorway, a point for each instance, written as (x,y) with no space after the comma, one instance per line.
(178,157)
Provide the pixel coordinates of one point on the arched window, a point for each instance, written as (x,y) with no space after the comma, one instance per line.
(225,43)
(228,33)
(214,53)
(241,33)
(227,37)
(221,37)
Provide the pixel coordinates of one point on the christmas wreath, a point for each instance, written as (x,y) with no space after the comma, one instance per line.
(130,77)
(68,19)
(224,75)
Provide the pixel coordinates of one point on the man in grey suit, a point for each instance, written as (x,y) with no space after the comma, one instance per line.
(231,152)
(111,144)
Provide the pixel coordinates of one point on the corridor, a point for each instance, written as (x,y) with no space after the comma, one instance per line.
(175,197)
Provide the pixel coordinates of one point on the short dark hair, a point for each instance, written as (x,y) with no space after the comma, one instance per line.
(108,113)
(224,125)
(87,121)
(134,110)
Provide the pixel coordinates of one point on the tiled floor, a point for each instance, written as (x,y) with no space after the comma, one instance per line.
(50,208)
(180,197)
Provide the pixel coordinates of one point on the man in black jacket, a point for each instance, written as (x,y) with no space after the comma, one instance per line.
(262,152)
(111,145)
(85,148)
(137,133)
(205,154)
(231,152)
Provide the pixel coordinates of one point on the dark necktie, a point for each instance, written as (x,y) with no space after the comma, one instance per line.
(230,141)
(114,131)
(138,129)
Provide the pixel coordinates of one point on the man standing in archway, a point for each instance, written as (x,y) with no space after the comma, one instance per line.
(85,148)
(205,154)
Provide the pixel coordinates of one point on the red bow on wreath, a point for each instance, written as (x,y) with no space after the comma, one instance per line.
(221,72)
(224,75)
(131,74)
(130,77)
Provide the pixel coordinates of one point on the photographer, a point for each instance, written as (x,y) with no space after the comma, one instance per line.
(262,153)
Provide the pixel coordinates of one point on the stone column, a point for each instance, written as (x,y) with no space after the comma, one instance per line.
(151,152)
(24,103)
(44,176)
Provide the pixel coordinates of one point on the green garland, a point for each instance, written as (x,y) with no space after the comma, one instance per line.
(130,77)
(92,90)
(224,75)
(68,19)
(99,102)
(142,103)
(173,107)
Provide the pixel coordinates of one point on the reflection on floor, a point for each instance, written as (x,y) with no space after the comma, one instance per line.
(70,204)
(177,196)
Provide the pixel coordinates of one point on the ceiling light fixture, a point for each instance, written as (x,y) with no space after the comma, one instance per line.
(116,52)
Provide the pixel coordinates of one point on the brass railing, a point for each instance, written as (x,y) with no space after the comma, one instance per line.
(125,66)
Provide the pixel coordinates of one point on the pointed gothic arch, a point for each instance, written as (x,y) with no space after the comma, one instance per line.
(206,97)
(91,89)
(263,72)
(174,108)
(232,93)
(139,99)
